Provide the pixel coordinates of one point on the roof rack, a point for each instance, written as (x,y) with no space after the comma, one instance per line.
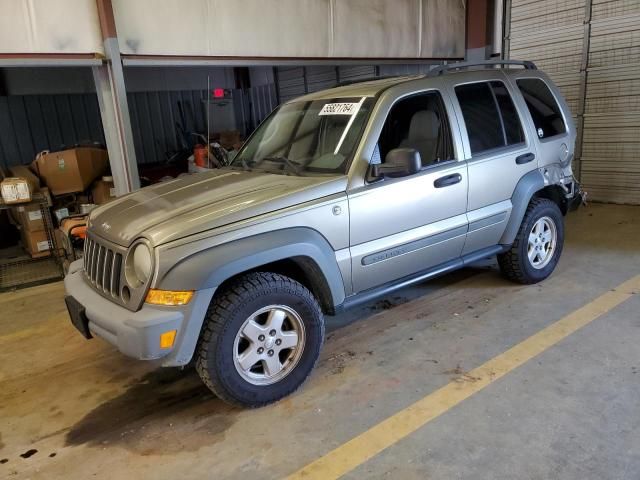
(346,83)
(439,70)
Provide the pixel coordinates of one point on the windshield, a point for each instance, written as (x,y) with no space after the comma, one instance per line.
(316,136)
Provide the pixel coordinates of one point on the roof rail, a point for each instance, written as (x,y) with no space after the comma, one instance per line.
(439,70)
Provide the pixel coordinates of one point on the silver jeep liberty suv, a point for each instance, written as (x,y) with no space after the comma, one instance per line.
(338,197)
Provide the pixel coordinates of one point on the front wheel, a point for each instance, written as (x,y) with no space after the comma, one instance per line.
(261,339)
(538,244)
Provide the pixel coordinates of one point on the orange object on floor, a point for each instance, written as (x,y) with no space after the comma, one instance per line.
(200,155)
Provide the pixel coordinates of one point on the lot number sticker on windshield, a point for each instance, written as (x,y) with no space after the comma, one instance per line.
(340,109)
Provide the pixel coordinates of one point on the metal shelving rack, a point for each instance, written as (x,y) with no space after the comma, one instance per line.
(28,272)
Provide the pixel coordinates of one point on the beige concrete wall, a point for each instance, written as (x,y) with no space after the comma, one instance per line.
(292,28)
(49,26)
(241,28)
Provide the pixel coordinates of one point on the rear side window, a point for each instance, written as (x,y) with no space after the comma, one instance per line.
(490,116)
(543,107)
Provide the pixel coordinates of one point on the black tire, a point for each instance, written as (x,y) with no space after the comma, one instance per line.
(226,315)
(514,263)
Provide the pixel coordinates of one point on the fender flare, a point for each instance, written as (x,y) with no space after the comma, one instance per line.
(211,267)
(526,188)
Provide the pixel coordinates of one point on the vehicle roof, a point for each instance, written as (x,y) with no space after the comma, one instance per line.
(366,88)
(371,88)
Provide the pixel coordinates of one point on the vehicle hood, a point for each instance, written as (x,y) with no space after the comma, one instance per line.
(195,203)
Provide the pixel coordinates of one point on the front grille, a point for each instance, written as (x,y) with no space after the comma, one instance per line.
(102,266)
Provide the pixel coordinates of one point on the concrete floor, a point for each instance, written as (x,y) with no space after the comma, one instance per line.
(78,409)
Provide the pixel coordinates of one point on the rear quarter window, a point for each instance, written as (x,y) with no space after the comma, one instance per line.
(543,107)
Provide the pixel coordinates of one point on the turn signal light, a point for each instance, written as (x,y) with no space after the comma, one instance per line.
(167,339)
(169,297)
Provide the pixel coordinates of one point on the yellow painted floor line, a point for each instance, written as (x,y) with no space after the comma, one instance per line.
(358,450)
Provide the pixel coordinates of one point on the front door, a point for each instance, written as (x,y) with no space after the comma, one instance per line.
(401,226)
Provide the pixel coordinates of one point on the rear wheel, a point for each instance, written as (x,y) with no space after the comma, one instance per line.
(538,244)
(261,339)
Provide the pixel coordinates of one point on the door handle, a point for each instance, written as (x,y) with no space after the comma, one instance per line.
(448,180)
(525,158)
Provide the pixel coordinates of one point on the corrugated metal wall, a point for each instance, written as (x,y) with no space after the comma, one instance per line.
(262,100)
(551,33)
(162,121)
(295,81)
(591,49)
(32,123)
(291,82)
(357,72)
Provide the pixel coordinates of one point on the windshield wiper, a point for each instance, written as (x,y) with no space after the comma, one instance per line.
(242,163)
(293,166)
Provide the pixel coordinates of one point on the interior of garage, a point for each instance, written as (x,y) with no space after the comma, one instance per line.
(464,376)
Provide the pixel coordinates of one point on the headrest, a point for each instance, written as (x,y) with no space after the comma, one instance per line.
(424,125)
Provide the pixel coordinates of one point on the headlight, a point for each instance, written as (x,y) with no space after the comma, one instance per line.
(139,265)
(142,262)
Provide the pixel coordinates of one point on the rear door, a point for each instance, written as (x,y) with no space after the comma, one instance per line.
(500,155)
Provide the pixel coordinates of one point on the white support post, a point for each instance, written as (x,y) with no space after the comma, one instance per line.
(114,110)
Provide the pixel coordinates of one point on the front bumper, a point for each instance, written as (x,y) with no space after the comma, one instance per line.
(137,334)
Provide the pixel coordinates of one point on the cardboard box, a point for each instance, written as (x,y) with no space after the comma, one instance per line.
(22,171)
(29,217)
(103,191)
(70,171)
(229,138)
(16,190)
(36,243)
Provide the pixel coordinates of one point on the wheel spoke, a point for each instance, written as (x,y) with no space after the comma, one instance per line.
(271,365)
(275,319)
(535,229)
(248,358)
(533,253)
(532,239)
(289,339)
(252,331)
(546,236)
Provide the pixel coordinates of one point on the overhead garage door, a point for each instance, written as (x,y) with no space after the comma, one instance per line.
(591,49)
(611,143)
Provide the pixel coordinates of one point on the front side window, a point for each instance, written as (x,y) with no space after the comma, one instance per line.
(418,122)
(544,109)
(317,136)
(489,115)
